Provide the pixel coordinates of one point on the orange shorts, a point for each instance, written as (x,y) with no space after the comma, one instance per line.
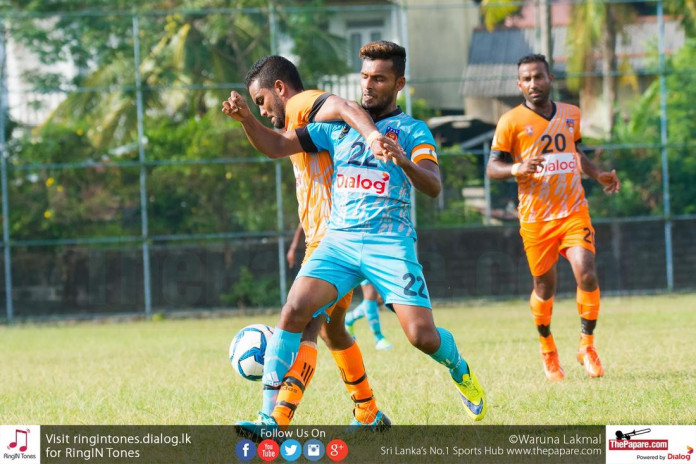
(544,240)
(343,303)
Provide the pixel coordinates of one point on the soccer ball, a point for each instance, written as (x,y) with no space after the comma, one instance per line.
(248,349)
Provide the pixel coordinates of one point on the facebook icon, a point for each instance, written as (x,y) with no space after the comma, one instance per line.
(245,450)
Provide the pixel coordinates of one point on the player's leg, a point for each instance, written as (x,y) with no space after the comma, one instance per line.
(587,296)
(299,376)
(327,273)
(391,265)
(419,326)
(301,372)
(349,361)
(355,315)
(578,247)
(541,305)
(541,246)
(371,308)
(308,298)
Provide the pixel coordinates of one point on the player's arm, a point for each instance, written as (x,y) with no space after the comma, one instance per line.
(269,142)
(420,165)
(424,175)
(277,145)
(339,109)
(501,167)
(609,180)
(291,256)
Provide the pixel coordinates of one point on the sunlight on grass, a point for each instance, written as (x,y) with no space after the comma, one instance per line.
(177,371)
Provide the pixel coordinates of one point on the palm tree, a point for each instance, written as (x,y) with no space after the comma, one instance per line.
(595,26)
(183,55)
(495,12)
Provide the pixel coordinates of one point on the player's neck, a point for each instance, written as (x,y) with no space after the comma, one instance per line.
(379,113)
(545,109)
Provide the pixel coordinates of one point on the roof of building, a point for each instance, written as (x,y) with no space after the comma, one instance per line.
(492,67)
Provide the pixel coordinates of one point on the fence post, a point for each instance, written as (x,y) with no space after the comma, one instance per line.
(486,183)
(666,208)
(7,248)
(281,237)
(282,275)
(403,29)
(143,170)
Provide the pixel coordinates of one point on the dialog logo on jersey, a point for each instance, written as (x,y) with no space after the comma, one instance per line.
(360,180)
(557,163)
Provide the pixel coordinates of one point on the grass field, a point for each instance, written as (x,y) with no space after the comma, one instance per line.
(177,371)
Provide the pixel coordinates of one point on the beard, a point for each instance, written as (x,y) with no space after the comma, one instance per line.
(279,113)
(376,106)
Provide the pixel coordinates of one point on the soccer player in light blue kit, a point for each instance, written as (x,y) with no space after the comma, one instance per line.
(369,309)
(370,233)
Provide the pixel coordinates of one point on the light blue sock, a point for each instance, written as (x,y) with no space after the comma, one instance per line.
(448,355)
(356,314)
(280,354)
(372,315)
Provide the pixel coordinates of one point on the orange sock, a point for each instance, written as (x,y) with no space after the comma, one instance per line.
(548,344)
(585,341)
(588,304)
(541,312)
(350,363)
(294,384)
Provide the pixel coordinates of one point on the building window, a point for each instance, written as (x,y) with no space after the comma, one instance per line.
(359,33)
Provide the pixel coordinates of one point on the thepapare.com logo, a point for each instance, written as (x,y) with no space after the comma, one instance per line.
(626,441)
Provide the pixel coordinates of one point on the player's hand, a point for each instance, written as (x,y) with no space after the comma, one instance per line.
(291,257)
(610,181)
(383,148)
(236,107)
(530,166)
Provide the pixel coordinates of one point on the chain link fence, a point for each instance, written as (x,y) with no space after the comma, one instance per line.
(125,191)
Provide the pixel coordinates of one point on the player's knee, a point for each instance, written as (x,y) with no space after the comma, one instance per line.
(588,281)
(295,317)
(423,338)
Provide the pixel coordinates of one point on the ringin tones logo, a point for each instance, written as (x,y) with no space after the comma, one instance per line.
(20,443)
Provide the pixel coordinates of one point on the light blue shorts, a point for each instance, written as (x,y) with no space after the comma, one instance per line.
(389,262)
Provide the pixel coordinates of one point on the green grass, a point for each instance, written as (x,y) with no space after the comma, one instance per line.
(177,371)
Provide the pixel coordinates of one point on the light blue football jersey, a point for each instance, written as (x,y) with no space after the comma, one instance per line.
(369,195)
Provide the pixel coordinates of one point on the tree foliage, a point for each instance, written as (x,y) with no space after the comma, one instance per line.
(186,53)
(495,12)
(640,168)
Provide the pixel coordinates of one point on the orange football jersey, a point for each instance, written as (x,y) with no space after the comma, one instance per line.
(313,171)
(555,190)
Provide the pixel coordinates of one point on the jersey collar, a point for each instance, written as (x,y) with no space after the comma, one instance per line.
(553,113)
(397,111)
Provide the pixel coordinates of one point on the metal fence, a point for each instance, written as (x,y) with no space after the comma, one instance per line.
(146,242)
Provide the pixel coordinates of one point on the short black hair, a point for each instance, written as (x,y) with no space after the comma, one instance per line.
(384,50)
(273,68)
(534,58)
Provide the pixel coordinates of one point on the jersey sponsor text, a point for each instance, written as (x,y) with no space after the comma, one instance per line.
(557,163)
(352,179)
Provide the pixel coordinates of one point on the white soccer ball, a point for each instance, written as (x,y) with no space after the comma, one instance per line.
(248,349)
